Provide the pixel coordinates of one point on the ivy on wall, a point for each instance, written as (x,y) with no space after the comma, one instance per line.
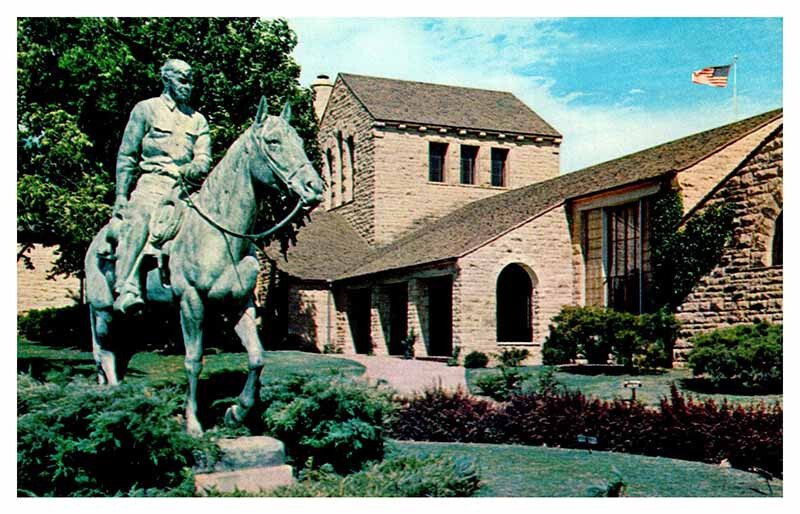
(681,256)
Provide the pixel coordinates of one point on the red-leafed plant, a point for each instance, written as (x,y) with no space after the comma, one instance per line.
(748,437)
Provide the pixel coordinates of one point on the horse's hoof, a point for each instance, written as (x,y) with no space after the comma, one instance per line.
(232,419)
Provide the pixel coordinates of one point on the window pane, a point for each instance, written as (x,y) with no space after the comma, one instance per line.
(499,167)
(627,271)
(437,153)
(469,156)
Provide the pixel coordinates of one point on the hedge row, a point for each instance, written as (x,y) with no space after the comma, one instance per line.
(681,428)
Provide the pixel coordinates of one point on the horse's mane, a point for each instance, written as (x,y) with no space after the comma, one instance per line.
(212,192)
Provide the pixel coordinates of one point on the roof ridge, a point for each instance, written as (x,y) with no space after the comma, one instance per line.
(778,112)
(437,84)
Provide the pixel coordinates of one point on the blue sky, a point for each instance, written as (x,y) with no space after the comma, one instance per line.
(609,85)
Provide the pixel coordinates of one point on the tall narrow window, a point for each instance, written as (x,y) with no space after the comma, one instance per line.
(331,176)
(499,157)
(469,156)
(777,242)
(628,256)
(341,172)
(436,154)
(351,152)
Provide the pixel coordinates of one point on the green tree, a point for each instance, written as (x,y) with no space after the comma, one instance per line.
(79,78)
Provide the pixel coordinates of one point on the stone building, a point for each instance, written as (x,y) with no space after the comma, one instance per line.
(445,215)
(36,290)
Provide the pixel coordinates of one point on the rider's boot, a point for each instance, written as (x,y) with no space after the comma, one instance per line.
(128,300)
(132,237)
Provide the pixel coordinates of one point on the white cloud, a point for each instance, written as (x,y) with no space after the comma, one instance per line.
(490,53)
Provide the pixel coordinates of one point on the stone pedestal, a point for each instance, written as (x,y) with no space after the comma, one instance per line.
(249,464)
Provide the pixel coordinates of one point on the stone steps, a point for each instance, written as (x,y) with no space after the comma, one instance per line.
(248,464)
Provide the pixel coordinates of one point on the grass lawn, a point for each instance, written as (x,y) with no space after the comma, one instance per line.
(40,360)
(508,470)
(654,386)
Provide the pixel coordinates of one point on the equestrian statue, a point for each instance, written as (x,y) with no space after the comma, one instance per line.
(194,233)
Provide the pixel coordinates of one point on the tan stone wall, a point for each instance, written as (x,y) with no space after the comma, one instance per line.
(406,199)
(744,287)
(35,291)
(350,192)
(697,181)
(542,246)
(311,314)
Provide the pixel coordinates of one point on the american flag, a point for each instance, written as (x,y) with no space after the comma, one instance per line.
(716,76)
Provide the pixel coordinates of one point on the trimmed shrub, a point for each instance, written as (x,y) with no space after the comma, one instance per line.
(750,355)
(402,476)
(576,330)
(329,419)
(657,333)
(682,429)
(56,326)
(595,333)
(476,360)
(80,439)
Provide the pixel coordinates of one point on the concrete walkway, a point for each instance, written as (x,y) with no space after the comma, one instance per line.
(409,376)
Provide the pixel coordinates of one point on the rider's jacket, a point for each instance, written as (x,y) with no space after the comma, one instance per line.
(161,137)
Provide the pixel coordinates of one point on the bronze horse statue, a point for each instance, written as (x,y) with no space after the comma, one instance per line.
(211,262)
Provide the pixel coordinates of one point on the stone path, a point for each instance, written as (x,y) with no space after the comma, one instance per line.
(408,376)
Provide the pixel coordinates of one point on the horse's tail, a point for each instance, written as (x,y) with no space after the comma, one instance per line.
(99,269)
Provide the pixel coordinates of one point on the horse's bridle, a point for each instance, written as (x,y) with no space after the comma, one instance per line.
(253,237)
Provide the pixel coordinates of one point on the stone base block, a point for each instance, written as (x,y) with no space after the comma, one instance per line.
(251,480)
(249,452)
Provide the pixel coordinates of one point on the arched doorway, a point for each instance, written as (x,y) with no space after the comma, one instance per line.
(514,305)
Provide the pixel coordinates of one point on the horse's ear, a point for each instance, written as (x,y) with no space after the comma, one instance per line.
(286,113)
(263,110)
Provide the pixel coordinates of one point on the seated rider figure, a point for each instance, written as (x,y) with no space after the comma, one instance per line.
(164,140)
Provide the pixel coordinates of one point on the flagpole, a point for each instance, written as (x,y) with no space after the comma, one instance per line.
(735,99)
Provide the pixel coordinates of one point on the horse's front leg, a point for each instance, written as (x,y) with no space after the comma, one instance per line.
(104,358)
(248,333)
(192,312)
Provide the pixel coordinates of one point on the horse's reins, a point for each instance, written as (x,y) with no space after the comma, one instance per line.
(253,237)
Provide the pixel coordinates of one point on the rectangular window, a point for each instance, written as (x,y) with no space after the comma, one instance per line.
(628,256)
(499,156)
(469,156)
(437,152)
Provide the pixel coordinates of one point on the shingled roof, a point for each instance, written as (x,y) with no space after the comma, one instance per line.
(326,248)
(392,100)
(476,223)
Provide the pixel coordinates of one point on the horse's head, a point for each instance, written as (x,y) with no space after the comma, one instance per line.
(286,162)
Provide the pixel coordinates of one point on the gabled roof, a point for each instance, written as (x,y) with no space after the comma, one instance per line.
(421,103)
(326,248)
(476,223)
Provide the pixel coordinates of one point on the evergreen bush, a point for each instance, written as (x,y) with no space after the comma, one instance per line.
(80,439)
(476,360)
(749,355)
(329,419)
(644,341)
(399,476)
